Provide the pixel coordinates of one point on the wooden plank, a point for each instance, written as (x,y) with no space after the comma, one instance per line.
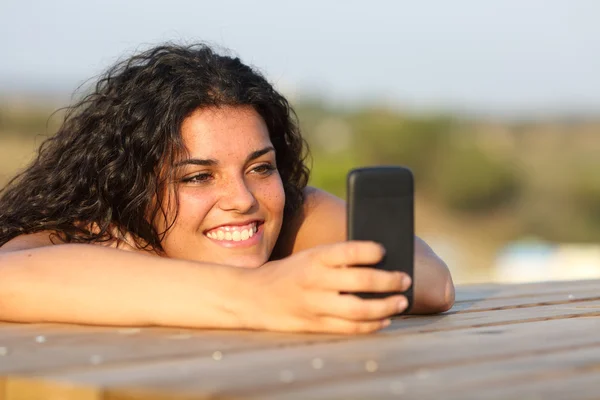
(580,380)
(472,377)
(18,389)
(525,301)
(344,373)
(499,291)
(415,386)
(10,329)
(448,321)
(24,389)
(574,387)
(279,371)
(137,394)
(35,352)
(401,329)
(86,351)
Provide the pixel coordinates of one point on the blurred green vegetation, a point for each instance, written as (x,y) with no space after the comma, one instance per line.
(585,191)
(544,175)
(440,150)
(541,174)
(28,121)
(468,180)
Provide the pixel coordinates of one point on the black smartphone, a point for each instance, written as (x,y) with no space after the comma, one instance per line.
(381,209)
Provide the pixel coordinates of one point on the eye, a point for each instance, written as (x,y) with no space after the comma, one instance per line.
(198,178)
(264,169)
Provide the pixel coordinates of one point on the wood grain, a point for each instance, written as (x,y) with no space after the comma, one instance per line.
(525,301)
(21,389)
(500,337)
(80,350)
(499,291)
(458,379)
(268,371)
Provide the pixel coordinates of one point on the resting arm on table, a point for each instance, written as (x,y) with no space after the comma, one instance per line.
(324,221)
(94,284)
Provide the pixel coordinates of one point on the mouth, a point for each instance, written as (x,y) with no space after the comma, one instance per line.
(234,233)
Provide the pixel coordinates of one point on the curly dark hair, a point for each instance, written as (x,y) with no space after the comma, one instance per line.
(105,165)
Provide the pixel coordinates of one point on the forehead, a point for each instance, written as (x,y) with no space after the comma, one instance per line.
(222,131)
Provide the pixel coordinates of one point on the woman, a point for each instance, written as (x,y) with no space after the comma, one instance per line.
(175,194)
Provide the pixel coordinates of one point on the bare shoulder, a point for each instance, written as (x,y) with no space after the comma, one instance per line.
(321,208)
(30,241)
(322,220)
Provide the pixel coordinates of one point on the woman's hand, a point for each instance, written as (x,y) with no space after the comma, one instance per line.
(301,293)
(323,221)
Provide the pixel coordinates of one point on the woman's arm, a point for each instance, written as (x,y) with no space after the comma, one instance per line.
(323,220)
(92,284)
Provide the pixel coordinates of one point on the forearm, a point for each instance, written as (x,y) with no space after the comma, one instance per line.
(433,287)
(92,284)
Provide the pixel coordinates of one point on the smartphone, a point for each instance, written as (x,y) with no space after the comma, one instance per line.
(381,209)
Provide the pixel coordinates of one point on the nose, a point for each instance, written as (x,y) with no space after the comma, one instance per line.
(237,196)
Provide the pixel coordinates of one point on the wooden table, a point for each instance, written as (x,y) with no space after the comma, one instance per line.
(516,341)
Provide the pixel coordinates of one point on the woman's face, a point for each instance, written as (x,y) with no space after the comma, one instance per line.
(231,197)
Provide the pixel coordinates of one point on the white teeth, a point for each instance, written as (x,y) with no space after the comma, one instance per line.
(234,233)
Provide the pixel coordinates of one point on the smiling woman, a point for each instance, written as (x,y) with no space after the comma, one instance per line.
(182,166)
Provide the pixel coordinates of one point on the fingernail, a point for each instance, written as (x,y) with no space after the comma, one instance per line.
(386,322)
(402,304)
(406,282)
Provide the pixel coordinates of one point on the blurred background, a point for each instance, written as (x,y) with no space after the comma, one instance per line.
(494,105)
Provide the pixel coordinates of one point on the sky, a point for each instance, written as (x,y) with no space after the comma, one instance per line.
(498,57)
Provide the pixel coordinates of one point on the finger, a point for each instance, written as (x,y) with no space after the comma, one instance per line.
(364,279)
(354,308)
(346,327)
(351,253)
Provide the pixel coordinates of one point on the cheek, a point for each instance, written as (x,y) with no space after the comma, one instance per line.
(273,196)
(194,205)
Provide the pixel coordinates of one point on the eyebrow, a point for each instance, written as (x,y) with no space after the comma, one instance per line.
(210,162)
